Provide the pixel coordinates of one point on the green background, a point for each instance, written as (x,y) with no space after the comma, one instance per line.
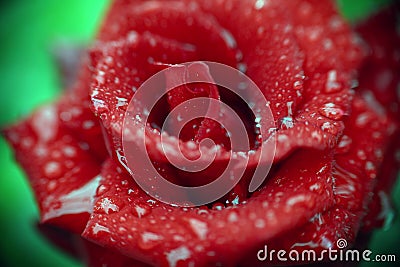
(28,78)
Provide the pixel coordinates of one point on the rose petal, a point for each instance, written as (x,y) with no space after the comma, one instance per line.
(81,249)
(68,56)
(153,232)
(96,256)
(380,72)
(121,67)
(159,17)
(60,168)
(300,109)
(355,167)
(200,128)
(330,68)
(380,83)
(380,209)
(134,44)
(76,116)
(326,39)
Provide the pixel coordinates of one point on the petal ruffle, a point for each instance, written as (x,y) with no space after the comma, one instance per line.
(61,169)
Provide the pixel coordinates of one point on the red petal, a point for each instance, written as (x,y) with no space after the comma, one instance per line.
(172,20)
(325,38)
(200,128)
(153,232)
(76,116)
(298,108)
(96,256)
(295,103)
(354,172)
(380,79)
(121,67)
(60,169)
(380,72)
(380,209)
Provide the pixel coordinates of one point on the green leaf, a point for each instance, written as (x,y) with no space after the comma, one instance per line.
(356,10)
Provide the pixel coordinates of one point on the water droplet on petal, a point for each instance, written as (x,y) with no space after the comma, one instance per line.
(259,223)
(331,111)
(233,217)
(100,228)
(329,128)
(179,118)
(199,228)
(297,85)
(361,155)
(121,101)
(108,206)
(218,206)
(202,210)
(51,185)
(332,85)
(287,122)
(242,67)
(141,211)
(344,145)
(52,169)
(176,255)
(259,4)
(101,190)
(122,230)
(370,169)
(149,240)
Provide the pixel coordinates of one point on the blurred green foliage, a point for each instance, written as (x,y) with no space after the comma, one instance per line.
(355,10)
(29,78)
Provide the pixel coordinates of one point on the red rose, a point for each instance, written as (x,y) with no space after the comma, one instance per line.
(331,140)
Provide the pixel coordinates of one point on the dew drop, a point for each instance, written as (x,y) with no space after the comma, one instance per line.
(122,101)
(242,67)
(361,155)
(108,206)
(332,85)
(69,151)
(52,169)
(297,85)
(202,210)
(329,128)
(344,145)
(88,124)
(228,38)
(259,4)
(259,223)
(331,111)
(233,217)
(44,123)
(370,169)
(141,211)
(133,191)
(176,255)
(218,206)
(179,118)
(149,240)
(51,186)
(199,228)
(100,228)
(287,122)
(122,230)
